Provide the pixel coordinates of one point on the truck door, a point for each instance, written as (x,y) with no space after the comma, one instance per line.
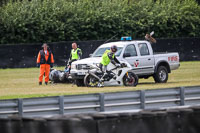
(146,59)
(131,55)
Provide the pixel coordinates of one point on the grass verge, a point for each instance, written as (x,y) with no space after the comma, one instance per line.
(23,83)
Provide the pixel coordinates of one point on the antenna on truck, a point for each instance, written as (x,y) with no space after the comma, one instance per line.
(110,38)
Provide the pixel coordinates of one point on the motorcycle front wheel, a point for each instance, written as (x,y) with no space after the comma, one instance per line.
(130,79)
(90,81)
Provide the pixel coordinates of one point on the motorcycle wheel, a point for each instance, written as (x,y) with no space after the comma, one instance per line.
(79,82)
(90,81)
(131,79)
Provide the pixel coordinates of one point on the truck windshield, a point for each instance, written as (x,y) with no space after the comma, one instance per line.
(100,51)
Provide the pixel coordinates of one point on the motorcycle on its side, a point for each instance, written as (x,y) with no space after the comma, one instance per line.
(59,76)
(115,76)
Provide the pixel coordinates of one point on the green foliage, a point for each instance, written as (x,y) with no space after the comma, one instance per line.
(64,20)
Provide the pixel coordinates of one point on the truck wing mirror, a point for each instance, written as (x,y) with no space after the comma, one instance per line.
(127,55)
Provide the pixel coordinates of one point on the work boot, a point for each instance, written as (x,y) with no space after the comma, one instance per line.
(40,83)
(46,83)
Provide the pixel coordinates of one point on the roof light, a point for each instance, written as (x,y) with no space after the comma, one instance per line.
(126,38)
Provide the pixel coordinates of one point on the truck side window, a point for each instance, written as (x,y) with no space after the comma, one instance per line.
(143,49)
(131,50)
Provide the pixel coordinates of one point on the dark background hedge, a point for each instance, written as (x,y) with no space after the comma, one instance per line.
(25,55)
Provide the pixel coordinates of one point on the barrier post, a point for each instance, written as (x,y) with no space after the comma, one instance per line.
(20,107)
(142,99)
(61,104)
(182,96)
(101,99)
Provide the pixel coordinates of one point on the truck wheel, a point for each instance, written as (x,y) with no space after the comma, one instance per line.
(161,76)
(79,82)
(131,79)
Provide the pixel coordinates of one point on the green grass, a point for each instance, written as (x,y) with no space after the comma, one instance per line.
(23,83)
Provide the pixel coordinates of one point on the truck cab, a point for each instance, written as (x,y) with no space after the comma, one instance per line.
(139,54)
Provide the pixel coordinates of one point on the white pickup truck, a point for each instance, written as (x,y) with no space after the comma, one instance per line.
(139,54)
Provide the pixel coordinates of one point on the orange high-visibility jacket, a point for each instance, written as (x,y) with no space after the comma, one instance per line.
(45,58)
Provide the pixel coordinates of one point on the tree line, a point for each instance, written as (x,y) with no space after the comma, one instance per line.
(25,21)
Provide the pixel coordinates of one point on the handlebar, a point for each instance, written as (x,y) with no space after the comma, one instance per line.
(122,65)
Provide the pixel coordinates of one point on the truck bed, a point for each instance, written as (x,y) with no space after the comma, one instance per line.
(158,53)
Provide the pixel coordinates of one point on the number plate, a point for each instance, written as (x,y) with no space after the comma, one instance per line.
(81,73)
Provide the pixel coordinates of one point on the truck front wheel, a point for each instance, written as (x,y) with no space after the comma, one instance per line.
(79,82)
(161,76)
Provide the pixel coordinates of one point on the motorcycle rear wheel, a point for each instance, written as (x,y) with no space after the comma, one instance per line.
(130,80)
(90,81)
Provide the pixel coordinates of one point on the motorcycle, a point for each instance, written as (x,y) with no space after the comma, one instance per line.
(58,76)
(122,75)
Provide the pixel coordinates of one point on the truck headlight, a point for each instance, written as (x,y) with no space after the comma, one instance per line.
(73,66)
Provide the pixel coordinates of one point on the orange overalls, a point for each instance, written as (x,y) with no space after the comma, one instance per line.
(45,60)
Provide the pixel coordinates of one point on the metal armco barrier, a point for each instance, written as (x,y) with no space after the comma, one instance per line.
(103,102)
(184,120)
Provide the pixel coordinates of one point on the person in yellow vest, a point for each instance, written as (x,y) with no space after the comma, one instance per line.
(109,57)
(75,54)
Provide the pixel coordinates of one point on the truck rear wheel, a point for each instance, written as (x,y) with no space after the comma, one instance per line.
(161,76)
(79,82)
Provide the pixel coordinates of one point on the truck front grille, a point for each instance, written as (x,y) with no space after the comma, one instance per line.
(83,66)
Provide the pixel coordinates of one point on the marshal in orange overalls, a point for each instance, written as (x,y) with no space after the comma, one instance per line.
(44,59)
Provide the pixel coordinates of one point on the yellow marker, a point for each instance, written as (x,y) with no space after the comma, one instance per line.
(127,74)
